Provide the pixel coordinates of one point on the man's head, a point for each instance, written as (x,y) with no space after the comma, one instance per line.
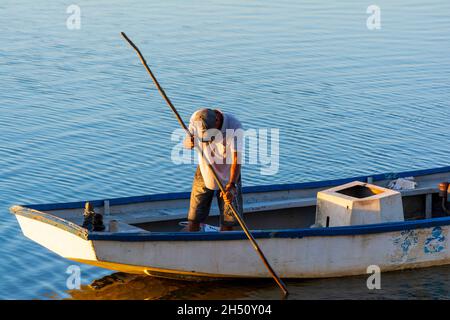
(206,119)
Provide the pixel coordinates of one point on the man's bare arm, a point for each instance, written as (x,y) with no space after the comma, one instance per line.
(235,169)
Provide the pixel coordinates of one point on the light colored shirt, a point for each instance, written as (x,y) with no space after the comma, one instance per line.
(219,152)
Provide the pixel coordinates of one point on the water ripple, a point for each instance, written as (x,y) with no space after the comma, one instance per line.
(81,120)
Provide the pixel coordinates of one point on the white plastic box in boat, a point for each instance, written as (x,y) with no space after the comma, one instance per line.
(358,203)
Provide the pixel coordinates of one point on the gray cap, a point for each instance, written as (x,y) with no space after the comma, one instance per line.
(207,119)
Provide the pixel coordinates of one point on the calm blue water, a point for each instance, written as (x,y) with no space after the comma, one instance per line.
(79,118)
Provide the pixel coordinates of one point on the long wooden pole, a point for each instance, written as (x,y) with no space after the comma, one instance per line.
(241,222)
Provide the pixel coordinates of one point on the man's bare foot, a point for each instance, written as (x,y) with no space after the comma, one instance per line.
(193,226)
(226,228)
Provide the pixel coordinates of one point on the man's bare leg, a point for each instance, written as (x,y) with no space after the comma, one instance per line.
(193,226)
(226,228)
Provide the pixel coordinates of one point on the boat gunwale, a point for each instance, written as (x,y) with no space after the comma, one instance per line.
(50,219)
(249,189)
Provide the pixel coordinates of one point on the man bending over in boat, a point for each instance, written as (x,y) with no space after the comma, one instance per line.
(219,135)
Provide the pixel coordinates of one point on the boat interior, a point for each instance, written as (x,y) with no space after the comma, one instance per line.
(269,207)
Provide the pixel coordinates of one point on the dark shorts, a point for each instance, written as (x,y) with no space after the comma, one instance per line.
(201,199)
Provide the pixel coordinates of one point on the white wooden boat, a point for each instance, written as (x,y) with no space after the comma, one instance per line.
(149,238)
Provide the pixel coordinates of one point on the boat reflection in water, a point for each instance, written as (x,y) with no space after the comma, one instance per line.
(427,283)
(137,287)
